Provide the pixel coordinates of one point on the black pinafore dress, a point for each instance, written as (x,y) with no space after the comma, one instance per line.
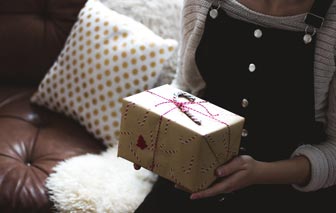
(268,78)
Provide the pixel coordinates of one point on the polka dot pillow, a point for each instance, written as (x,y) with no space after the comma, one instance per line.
(107,56)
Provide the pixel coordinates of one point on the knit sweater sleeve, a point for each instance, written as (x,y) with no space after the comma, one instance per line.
(193,15)
(178,80)
(322,157)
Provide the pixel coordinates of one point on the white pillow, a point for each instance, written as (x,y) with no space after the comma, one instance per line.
(107,56)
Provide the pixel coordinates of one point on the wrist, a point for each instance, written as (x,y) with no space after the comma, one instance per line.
(304,170)
(291,171)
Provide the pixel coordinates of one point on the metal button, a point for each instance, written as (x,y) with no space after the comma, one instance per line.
(244,133)
(258,33)
(252,67)
(244,103)
(307,38)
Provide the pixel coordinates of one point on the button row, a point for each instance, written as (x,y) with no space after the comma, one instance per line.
(252,67)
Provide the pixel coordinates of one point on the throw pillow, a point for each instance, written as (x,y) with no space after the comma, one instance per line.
(163,17)
(107,56)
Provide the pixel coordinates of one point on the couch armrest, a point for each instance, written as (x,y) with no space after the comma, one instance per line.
(32,141)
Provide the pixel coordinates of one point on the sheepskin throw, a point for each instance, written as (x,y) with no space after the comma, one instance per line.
(98,184)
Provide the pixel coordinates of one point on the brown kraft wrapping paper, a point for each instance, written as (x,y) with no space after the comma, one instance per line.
(178,136)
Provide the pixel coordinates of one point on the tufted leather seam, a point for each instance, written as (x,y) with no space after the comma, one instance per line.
(20,185)
(42,170)
(8,156)
(34,143)
(53,159)
(32,151)
(42,180)
(8,99)
(29,150)
(16,118)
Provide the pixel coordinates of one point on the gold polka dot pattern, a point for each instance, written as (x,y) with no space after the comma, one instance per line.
(107,56)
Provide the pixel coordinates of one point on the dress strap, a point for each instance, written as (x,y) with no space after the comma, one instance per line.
(315,17)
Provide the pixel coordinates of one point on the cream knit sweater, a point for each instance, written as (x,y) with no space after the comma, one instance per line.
(188,78)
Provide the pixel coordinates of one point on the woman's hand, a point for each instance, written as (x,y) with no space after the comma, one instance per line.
(238,173)
(243,171)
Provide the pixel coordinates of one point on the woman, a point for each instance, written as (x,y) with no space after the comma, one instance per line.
(277,59)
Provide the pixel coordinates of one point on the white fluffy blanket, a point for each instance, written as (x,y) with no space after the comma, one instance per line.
(99,184)
(161,16)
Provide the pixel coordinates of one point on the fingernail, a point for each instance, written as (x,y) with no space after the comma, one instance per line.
(219,173)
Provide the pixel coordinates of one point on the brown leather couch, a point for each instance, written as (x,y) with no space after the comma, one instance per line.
(32,139)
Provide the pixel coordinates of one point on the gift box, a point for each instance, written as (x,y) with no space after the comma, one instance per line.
(178,136)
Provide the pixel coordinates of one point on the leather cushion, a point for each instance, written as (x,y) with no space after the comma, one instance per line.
(32,33)
(33,141)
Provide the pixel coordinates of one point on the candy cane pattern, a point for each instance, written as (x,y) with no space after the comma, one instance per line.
(225,135)
(173,177)
(183,108)
(142,123)
(169,152)
(187,169)
(126,133)
(134,153)
(166,127)
(207,169)
(127,109)
(209,139)
(156,165)
(202,186)
(187,141)
(186,95)
(151,145)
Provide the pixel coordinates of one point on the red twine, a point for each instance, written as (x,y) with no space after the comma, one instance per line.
(184,107)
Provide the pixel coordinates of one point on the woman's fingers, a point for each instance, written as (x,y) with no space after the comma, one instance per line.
(233,166)
(214,190)
(237,173)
